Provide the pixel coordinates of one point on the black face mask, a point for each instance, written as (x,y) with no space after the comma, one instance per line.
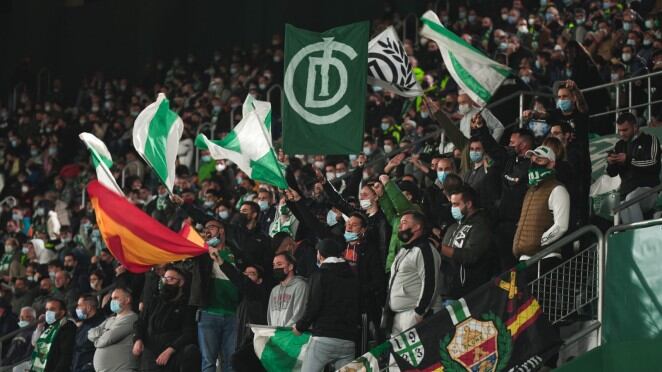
(405,235)
(279,274)
(169,291)
(44,292)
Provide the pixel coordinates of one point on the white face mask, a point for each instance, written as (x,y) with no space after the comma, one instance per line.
(365,204)
(388,148)
(464,108)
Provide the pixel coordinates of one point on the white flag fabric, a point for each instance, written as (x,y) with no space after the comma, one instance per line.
(262,109)
(278,348)
(249,146)
(102,161)
(475,73)
(156,134)
(389,67)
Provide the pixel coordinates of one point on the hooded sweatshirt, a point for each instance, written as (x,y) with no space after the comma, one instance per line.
(44,256)
(287,302)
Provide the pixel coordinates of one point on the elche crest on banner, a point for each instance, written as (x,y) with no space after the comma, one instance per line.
(321,57)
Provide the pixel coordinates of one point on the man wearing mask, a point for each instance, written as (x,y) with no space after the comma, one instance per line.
(634,64)
(482,175)
(113,338)
(89,316)
(375,155)
(545,214)
(415,277)
(514,165)
(165,331)
(265,200)
(332,310)
(54,347)
(435,203)
(469,109)
(78,277)
(66,290)
(22,295)
(219,297)
(469,259)
(21,347)
(288,298)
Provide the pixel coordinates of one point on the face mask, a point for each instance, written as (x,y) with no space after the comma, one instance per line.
(564,105)
(352,157)
(115,306)
(279,274)
(330,176)
(649,23)
(631,42)
(523,30)
(350,236)
(367,150)
(264,205)
(23,323)
(472,18)
(25,250)
(512,19)
(34,152)
(213,241)
(388,148)
(503,45)
(169,291)
(441,176)
(9,248)
(319,164)
(220,167)
(614,77)
(538,65)
(476,156)
(648,42)
(626,57)
(464,108)
(50,317)
(539,128)
(340,174)
(549,17)
(365,204)
(331,218)
(205,158)
(223,215)
(208,204)
(543,3)
(504,16)
(580,21)
(538,174)
(81,314)
(384,126)
(462,15)
(627,26)
(457,213)
(405,235)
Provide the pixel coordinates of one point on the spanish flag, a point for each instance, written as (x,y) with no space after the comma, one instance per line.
(135,239)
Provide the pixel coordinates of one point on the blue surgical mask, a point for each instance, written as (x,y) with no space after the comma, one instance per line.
(351,236)
(476,156)
(223,215)
(441,176)
(564,105)
(213,242)
(81,314)
(457,213)
(205,158)
(331,218)
(539,128)
(115,306)
(23,323)
(264,205)
(384,126)
(50,317)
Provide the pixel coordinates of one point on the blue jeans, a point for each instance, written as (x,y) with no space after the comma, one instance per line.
(324,350)
(217,334)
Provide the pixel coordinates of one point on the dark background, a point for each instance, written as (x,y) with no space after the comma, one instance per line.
(75,37)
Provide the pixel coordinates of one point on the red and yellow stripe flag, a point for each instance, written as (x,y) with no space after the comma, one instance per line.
(137,240)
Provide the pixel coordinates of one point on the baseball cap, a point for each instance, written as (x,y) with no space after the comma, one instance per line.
(542,152)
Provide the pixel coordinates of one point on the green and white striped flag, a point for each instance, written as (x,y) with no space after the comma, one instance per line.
(458,311)
(249,146)
(279,349)
(263,110)
(156,134)
(475,73)
(102,161)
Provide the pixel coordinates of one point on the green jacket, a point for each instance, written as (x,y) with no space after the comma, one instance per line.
(394,204)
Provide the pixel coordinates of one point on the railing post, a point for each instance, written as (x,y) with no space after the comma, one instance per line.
(630,97)
(82,198)
(521,109)
(123,176)
(618,99)
(650,109)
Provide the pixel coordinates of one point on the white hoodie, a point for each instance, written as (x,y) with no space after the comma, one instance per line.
(44,256)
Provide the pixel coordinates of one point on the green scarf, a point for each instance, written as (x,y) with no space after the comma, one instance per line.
(5,262)
(538,174)
(43,347)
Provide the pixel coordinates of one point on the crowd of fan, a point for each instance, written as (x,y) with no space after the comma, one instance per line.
(395,232)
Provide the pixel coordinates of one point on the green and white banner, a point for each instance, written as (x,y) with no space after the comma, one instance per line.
(156,134)
(278,348)
(325,86)
(475,73)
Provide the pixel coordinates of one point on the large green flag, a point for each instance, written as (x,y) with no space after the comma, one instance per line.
(325,85)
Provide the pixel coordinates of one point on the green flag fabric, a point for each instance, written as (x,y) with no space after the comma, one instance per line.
(325,85)
(278,348)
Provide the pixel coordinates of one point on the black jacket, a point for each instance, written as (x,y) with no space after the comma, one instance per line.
(333,305)
(642,163)
(164,323)
(253,306)
(473,262)
(61,352)
(84,348)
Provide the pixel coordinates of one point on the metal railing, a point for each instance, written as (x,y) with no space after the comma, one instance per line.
(626,204)
(560,301)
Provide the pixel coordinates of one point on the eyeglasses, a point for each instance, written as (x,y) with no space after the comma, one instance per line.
(170,278)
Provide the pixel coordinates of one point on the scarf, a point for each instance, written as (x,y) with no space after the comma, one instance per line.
(538,174)
(43,346)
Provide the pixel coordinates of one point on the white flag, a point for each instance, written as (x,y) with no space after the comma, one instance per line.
(102,161)
(389,67)
(156,134)
(478,75)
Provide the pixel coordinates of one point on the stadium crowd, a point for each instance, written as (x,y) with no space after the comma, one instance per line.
(394,233)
